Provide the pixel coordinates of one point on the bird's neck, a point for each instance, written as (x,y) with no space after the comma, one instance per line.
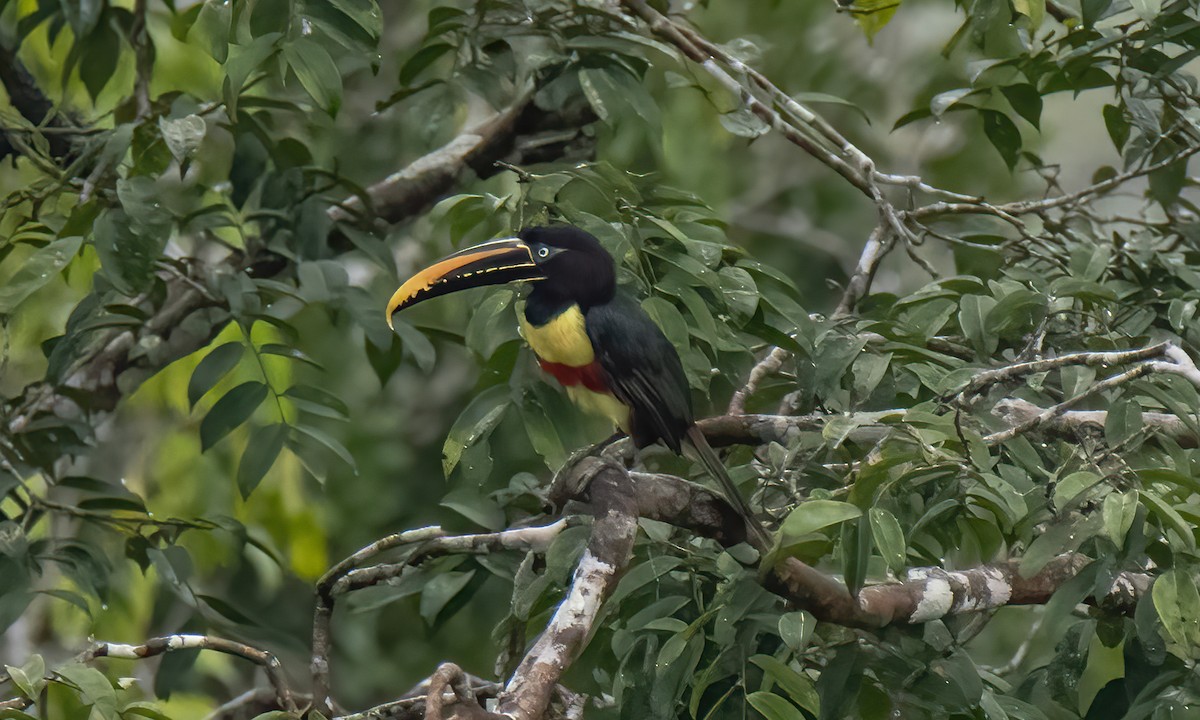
(548,300)
(543,304)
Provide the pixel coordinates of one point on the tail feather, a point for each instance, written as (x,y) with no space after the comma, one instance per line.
(758,535)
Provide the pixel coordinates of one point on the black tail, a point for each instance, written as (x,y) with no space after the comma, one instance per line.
(758,536)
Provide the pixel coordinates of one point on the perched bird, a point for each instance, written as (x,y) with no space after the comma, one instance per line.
(599,344)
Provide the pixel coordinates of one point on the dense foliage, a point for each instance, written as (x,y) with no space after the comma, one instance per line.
(203,408)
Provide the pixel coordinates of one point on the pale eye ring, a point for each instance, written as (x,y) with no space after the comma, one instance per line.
(543,252)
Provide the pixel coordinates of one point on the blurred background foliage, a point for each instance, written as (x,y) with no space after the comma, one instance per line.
(208,141)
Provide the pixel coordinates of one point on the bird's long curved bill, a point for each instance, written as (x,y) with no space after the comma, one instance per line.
(491,263)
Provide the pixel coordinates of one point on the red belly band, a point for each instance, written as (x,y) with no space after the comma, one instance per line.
(590,376)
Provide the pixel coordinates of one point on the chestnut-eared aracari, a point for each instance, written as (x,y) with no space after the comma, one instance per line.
(600,345)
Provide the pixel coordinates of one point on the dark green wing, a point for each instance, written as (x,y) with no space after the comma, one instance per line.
(643,370)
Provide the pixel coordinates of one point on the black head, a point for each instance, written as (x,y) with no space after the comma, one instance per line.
(576,266)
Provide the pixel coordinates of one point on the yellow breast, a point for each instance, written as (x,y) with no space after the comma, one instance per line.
(562,340)
(601,404)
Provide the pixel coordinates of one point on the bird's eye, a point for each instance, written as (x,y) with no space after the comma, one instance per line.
(544,252)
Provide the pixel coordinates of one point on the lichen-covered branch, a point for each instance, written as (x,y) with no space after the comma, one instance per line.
(611,495)
(933,593)
(927,594)
(428,542)
(171,643)
(987,378)
(1177,362)
(1076,423)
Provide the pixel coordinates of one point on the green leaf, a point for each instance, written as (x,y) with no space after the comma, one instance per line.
(211,29)
(317,73)
(740,292)
(1069,487)
(415,345)
(325,440)
(542,431)
(941,103)
(481,510)
(1147,10)
(83,15)
(873,15)
(797,686)
(1093,10)
(744,123)
(1178,604)
(441,590)
(421,60)
(818,98)
(354,24)
(30,677)
(795,629)
(1118,512)
(1170,518)
(141,198)
(889,538)
(773,707)
(227,610)
(37,270)
(972,318)
(1035,10)
(244,60)
(600,92)
(475,424)
(94,689)
(1059,538)
(1166,183)
(143,709)
(209,371)
(1004,135)
(813,515)
(365,13)
(1123,420)
(98,62)
(316,401)
(288,351)
(261,451)
(1116,123)
(869,369)
(491,323)
(126,257)
(233,409)
(183,136)
(1025,99)
(856,553)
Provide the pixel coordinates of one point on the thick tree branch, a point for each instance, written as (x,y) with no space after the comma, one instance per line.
(519,134)
(114,362)
(611,495)
(934,593)
(927,594)
(428,542)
